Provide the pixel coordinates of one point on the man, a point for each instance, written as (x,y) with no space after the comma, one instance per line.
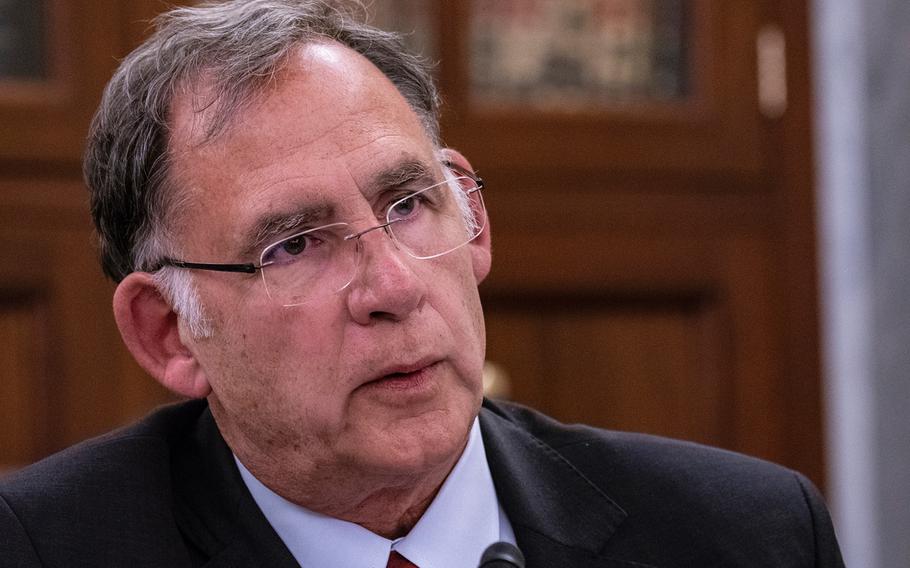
(297,254)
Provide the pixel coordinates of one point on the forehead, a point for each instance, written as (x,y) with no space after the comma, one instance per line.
(320,131)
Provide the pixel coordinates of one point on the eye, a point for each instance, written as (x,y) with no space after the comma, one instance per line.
(295,245)
(293,249)
(410,206)
(404,208)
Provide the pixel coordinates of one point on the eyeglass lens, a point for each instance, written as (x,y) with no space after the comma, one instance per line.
(426,224)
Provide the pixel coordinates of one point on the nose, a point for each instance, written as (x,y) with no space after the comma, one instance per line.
(386,287)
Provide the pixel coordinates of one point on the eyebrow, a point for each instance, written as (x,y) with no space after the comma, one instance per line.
(267,228)
(410,170)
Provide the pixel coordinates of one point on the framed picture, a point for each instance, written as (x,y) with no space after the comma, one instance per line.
(578,53)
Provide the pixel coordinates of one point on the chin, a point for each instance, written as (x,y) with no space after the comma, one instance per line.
(423,449)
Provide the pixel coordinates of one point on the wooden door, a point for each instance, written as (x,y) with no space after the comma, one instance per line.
(654,264)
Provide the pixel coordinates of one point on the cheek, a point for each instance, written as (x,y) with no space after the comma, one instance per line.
(458,303)
(276,357)
(478,328)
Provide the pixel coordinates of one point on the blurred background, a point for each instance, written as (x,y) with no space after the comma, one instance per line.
(698,209)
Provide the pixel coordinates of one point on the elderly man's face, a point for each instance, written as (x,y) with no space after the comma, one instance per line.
(381,378)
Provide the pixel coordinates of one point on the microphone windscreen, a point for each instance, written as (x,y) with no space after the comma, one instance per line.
(502,555)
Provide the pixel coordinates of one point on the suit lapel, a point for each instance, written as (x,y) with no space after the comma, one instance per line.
(215,511)
(560,518)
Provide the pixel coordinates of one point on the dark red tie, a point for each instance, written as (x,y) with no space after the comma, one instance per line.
(398,561)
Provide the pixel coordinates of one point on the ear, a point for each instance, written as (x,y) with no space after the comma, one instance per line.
(151,331)
(481,251)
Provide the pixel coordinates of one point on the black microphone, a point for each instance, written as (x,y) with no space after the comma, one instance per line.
(502,555)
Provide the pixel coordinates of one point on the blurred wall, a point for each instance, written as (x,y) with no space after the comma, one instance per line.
(863,103)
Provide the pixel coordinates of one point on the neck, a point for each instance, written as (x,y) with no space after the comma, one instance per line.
(388,505)
(390,513)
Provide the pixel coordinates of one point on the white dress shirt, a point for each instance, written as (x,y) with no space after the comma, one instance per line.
(464,518)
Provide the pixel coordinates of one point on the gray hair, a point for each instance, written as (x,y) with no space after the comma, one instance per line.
(239,46)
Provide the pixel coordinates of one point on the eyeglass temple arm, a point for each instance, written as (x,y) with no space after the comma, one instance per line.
(247,268)
(465,172)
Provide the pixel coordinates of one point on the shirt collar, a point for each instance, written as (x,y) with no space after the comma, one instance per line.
(464,518)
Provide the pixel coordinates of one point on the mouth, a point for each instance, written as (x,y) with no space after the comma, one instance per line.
(405,377)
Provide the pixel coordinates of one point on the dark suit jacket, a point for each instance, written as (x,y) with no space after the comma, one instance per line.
(166,493)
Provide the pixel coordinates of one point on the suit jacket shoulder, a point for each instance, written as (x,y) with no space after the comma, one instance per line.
(163,492)
(623,499)
(117,486)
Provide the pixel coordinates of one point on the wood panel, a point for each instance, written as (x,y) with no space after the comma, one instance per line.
(647,374)
(24,413)
(45,121)
(68,373)
(790,145)
(645,366)
(26,364)
(642,332)
(64,375)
